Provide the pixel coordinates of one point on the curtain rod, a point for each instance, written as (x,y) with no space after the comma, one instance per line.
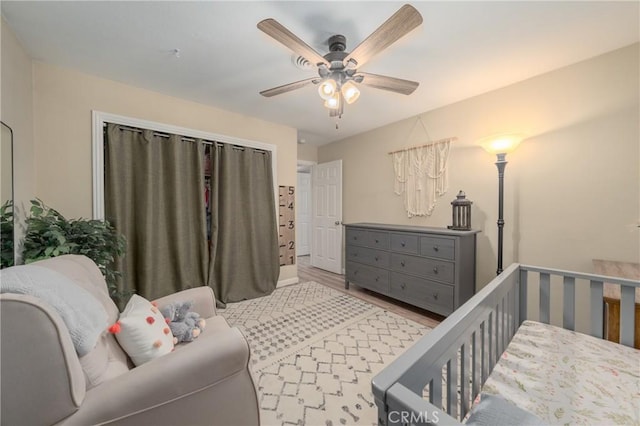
(439,141)
(184,138)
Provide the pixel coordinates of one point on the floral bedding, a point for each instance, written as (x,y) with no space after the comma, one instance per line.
(565,377)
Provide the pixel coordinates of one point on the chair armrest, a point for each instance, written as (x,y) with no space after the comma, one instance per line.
(195,366)
(204,301)
(41,377)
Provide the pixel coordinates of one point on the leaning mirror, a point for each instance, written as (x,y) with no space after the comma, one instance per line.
(6,197)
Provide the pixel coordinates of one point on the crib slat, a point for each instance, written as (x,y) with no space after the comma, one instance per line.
(504,323)
(496,336)
(476,364)
(515,312)
(509,318)
(627,315)
(569,310)
(597,304)
(483,351)
(521,305)
(490,337)
(464,379)
(435,392)
(499,330)
(496,329)
(452,387)
(545,297)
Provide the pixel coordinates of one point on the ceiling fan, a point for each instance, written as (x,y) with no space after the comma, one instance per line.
(338,73)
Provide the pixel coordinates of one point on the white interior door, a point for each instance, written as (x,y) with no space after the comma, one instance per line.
(303,213)
(326,245)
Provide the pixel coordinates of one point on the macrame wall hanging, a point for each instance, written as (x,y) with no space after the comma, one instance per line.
(421,174)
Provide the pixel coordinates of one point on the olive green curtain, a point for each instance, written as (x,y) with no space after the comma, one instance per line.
(244,261)
(154,196)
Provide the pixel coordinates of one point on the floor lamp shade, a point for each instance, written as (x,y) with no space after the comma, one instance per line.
(501,144)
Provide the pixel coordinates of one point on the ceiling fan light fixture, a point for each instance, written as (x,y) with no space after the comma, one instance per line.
(338,69)
(333,102)
(327,89)
(350,92)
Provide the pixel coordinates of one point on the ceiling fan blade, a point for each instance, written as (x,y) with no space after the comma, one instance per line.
(397,26)
(274,29)
(287,87)
(398,85)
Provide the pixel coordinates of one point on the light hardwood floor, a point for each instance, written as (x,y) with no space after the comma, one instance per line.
(306,272)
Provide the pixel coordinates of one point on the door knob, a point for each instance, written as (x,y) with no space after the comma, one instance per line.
(337,222)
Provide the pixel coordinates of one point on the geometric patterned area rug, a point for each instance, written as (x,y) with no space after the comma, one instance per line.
(314,351)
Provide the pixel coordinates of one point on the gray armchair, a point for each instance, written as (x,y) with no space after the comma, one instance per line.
(44,382)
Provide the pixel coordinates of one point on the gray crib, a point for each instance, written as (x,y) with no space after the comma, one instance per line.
(467,345)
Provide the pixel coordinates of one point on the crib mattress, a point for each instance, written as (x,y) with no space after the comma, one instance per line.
(565,377)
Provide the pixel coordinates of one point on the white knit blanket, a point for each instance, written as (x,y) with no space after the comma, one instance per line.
(84,316)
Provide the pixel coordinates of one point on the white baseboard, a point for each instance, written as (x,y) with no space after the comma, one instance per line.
(288,281)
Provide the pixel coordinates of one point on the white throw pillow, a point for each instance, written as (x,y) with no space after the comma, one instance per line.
(144,334)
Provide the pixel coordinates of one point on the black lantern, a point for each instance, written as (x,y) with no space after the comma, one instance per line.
(461,213)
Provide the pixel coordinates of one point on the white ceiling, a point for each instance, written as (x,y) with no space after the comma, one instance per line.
(461,50)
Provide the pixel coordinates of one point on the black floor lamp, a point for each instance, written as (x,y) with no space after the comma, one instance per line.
(501,145)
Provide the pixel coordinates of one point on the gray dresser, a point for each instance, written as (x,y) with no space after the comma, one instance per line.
(432,268)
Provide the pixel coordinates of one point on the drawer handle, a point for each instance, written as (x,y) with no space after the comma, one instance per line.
(435,270)
(435,295)
(402,243)
(355,238)
(377,279)
(402,263)
(377,241)
(435,248)
(355,254)
(403,285)
(376,258)
(355,272)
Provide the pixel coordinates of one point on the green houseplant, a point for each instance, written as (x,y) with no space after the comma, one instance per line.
(6,234)
(50,234)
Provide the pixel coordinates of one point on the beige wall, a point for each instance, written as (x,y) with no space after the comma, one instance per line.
(307,152)
(572,187)
(17,113)
(63,100)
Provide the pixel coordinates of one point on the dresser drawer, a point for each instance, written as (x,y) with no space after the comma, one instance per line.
(406,243)
(357,237)
(370,277)
(426,294)
(368,255)
(428,268)
(378,240)
(442,248)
